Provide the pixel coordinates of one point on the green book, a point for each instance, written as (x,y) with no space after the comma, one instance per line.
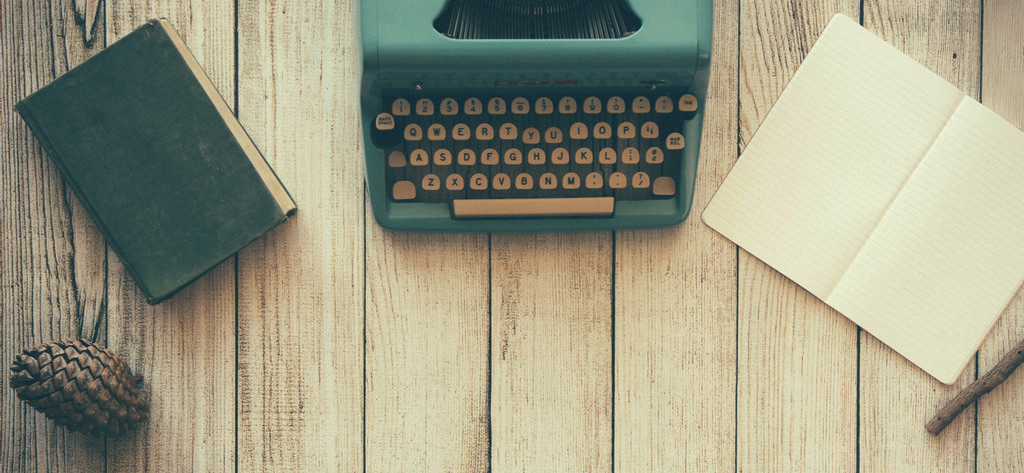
(157,158)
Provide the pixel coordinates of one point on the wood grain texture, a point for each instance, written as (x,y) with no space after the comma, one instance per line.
(427,346)
(896,397)
(551,353)
(797,380)
(675,311)
(185,346)
(300,365)
(52,258)
(1001,412)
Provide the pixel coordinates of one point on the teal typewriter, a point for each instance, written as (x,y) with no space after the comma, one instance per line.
(533,115)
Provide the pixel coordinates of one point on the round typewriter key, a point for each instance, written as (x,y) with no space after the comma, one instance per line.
(396,159)
(544,106)
(560,156)
(513,156)
(449,107)
(567,105)
(675,141)
(520,106)
(531,136)
(431,182)
(385,122)
(584,156)
(578,131)
(687,103)
(641,180)
(524,182)
(478,182)
(473,106)
(595,180)
(607,156)
(403,190)
(536,156)
(553,135)
(425,107)
(484,132)
(592,105)
(508,131)
(649,130)
(602,131)
(641,105)
(413,132)
(461,132)
(664,105)
(664,186)
(571,181)
(489,157)
(630,155)
(547,181)
(467,157)
(401,107)
(454,182)
(627,131)
(419,157)
(436,132)
(442,157)
(496,106)
(501,181)
(654,155)
(617,180)
(616,105)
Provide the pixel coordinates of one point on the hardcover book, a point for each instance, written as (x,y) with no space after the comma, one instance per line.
(157,158)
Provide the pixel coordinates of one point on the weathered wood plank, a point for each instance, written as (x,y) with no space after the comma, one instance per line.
(551,353)
(427,347)
(797,380)
(897,398)
(301,288)
(185,346)
(52,258)
(1001,412)
(675,310)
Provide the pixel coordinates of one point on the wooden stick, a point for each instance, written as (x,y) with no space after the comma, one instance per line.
(978,388)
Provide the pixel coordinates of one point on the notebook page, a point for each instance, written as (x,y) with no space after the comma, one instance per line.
(832,153)
(948,255)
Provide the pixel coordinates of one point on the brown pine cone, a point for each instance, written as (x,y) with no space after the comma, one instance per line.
(81,385)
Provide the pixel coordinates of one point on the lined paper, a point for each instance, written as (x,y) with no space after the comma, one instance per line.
(886,192)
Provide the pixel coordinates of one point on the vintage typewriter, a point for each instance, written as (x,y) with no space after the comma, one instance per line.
(506,115)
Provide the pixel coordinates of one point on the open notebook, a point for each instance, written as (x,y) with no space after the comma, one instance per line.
(886,192)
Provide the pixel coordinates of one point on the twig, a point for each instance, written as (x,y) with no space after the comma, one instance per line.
(978,388)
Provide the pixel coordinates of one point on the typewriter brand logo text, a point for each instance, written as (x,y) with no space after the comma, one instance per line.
(534,82)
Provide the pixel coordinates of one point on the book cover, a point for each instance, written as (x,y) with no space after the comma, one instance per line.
(889,194)
(156,157)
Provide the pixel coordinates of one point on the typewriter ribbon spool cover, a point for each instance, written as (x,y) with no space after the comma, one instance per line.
(524,115)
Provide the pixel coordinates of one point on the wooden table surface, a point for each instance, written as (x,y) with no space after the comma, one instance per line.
(332,345)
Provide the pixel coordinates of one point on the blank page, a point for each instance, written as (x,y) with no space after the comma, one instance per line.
(831,154)
(948,256)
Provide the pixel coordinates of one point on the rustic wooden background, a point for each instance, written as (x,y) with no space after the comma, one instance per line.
(332,345)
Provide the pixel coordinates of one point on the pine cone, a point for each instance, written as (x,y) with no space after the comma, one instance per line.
(81,385)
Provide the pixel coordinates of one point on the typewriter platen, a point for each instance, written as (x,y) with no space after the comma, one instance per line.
(526,115)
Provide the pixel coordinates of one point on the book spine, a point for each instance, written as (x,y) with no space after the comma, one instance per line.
(270,180)
(25,111)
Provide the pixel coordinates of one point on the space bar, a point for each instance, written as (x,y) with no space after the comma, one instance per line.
(554,207)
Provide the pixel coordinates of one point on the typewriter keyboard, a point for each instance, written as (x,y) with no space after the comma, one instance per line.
(529,156)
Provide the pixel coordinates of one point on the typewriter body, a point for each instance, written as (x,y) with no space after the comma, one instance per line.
(526,115)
